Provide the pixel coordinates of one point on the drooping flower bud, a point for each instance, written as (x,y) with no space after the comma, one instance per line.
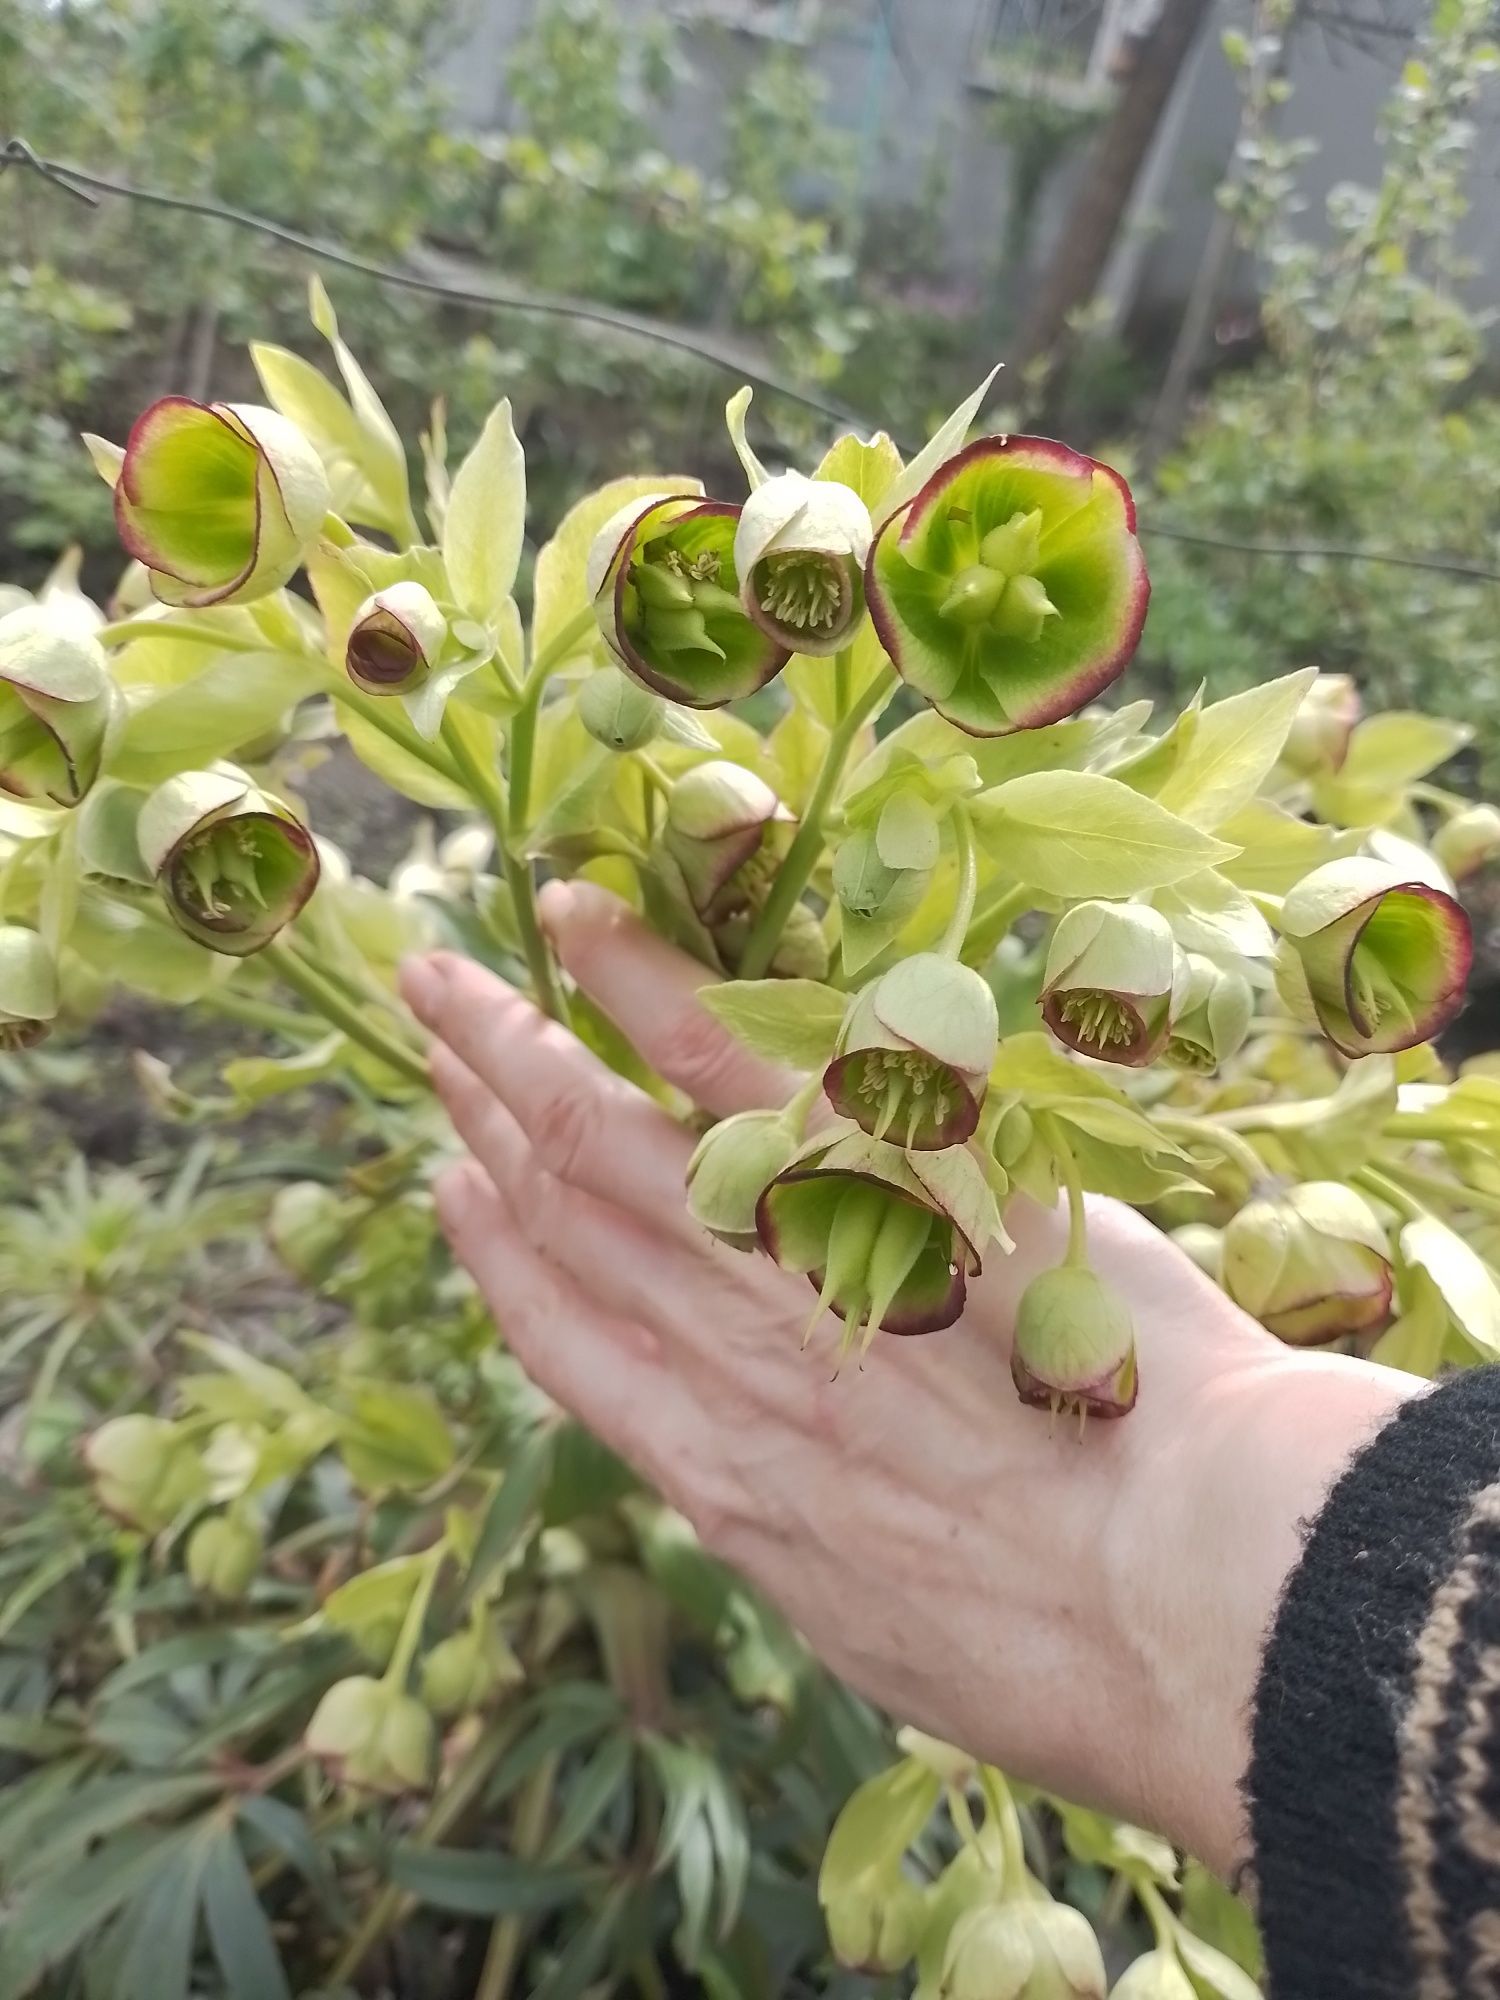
(1074,1345)
(28,988)
(373,1737)
(1157,1976)
(223,1555)
(1211,1017)
(800,551)
(876,1925)
(666,592)
(727,833)
(395,639)
(143,1470)
(1108,986)
(1204,1244)
(888,1240)
(618,712)
(470,1670)
(1385,959)
(1012,589)
(234,865)
(915,1052)
(733,1165)
(57,702)
(865,886)
(1310,1263)
(1318,740)
(1468,840)
(990,1955)
(220,501)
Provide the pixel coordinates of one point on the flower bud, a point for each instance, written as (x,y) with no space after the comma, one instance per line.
(143,1470)
(220,501)
(1468,840)
(1318,740)
(223,1555)
(875,1927)
(915,1053)
(1109,980)
(28,988)
(883,1248)
(1011,590)
(57,703)
(309,1224)
(619,713)
(727,833)
(373,1737)
(865,886)
(469,1671)
(1310,1263)
(1385,959)
(1204,1244)
(800,550)
(1074,1345)
(234,865)
(1211,1016)
(1157,1976)
(734,1164)
(667,596)
(990,1955)
(395,640)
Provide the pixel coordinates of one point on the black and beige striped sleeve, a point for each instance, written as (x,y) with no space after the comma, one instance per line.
(1375,1777)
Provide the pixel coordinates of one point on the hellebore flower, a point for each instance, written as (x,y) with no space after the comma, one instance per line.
(730,1170)
(884,1247)
(876,1926)
(223,1555)
(1109,980)
(220,501)
(57,702)
(619,713)
(1385,958)
(1074,1345)
(469,1670)
(395,639)
(28,988)
(1212,1016)
(234,865)
(143,1471)
(373,1736)
(799,551)
(1023,1950)
(1012,589)
(727,833)
(1310,1263)
(1318,740)
(667,596)
(1466,842)
(1157,1976)
(915,1053)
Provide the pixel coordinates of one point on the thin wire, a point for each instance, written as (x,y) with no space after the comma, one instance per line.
(77,181)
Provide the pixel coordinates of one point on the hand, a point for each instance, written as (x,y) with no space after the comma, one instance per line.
(1087,1613)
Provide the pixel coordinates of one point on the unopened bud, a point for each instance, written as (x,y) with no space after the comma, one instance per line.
(733,1165)
(619,713)
(875,1927)
(1318,741)
(1212,1014)
(28,988)
(1157,1976)
(223,1555)
(1074,1345)
(469,1671)
(1204,1244)
(864,884)
(373,1737)
(143,1470)
(1310,1263)
(1468,841)
(395,640)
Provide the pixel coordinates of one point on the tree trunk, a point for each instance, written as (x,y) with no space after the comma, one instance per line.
(1092,223)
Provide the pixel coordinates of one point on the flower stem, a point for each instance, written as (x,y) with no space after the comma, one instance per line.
(1229,1144)
(807,843)
(1077,1252)
(1453,1193)
(1162,1924)
(374,710)
(1375,1183)
(992,919)
(310,985)
(398,1672)
(968,884)
(527,1836)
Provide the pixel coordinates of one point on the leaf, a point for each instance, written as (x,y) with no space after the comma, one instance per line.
(735,412)
(1466,1282)
(382,454)
(58,1916)
(574,1972)
(1399,746)
(158,1962)
(876,1826)
(559,588)
(792,1021)
(286,1830)
(235,698)
(1233,748)
(1209,914)
(304,394)
(945,441)
(398,1437)
(514,1501)
(486,519)
(907,834)
(485,1884)
(1077,834)
(1276,848)
(100,1809)
(1213,1968)
(403,770)
(695,1888)
(238,1927)
(590,1794)
(869,467)
(731,1835)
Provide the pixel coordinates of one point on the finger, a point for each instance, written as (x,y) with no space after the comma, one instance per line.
(587,1125)
(649,989)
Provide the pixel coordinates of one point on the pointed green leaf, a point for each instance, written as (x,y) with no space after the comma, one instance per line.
(1466,1282)
(792,1021)
(484,1883)
(590,1794)
(1076,834)
(238,1927)
(486,519)
(1232,750)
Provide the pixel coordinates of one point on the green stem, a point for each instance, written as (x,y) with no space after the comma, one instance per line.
(1077,1252)
(997,1794)
(952,941)
(310,985)
(807,843)
(398,1672)
(992,919)
(1162,1921)
(263,1014)
(529,1832)
(843,668)
(374,710)
(1211,1133)
(1375,1182)
(558,649)
(1453,1193)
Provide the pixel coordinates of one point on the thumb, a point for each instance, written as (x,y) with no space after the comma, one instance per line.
(649,989)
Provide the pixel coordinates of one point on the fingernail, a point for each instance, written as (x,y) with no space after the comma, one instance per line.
(422,987)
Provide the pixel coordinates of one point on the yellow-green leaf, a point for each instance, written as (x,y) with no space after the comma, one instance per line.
(1077,834)
(1232,749)
(1466,1282)
(794,1021)
(486,519)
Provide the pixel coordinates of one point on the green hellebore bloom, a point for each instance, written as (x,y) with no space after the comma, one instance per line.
(1468,840)
(1108,989)
(1075,1345)
(28,988)
(470,1670)
(799,551)
(1318,741)
(395,639)
(57,705)
(1012,589)
(730,1170)
(1024,1948)
(888,1240)
(373,1737)
(876,1926)
(223,1555)
(220,501)
(1212,1016)
(1385,958)
(143,1470)
(619,713)
(1310,1263)
(234,865)
(666,592)
(1157,1976)
(726,835)
(915,1053)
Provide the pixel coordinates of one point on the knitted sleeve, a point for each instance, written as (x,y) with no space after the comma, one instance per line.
(1375,1775)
